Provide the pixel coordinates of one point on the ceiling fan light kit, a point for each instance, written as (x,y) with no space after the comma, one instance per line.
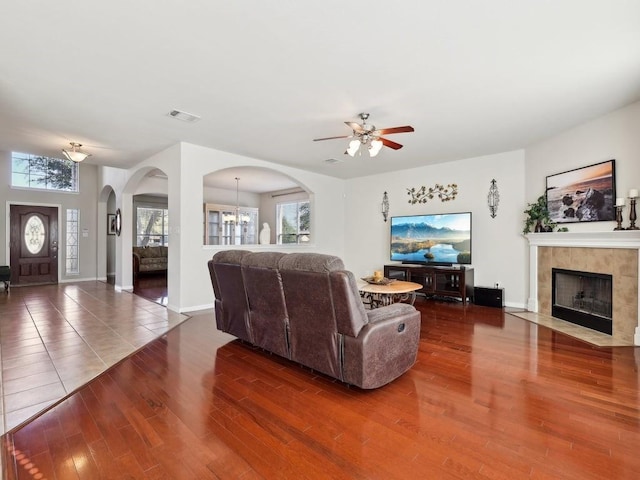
(73,154)
(367,135)
(354,146)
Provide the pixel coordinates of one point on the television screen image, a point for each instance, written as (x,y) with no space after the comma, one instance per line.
(439,239)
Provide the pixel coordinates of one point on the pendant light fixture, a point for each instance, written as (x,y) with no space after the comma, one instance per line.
(74,154)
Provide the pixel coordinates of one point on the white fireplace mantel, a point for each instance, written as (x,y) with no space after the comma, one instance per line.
(612,239)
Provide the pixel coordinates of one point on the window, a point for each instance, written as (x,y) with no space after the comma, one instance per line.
(152,226)
(32,171)
(293,222)
(72,259)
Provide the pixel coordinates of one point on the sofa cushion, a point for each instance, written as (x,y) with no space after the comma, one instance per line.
(151,252)
(267,311)
(150,259)
(313,335)
(311,262)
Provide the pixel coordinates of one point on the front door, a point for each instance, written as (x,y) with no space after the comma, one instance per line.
(34,244)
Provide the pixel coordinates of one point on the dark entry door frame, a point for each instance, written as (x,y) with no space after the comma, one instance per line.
(36,261)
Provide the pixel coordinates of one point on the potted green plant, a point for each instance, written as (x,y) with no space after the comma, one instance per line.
(538,219)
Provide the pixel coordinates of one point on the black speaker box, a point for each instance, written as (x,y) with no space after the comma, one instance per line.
(488,297)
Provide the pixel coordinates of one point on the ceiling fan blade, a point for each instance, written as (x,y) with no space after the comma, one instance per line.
(390,144)
(356,127)
(387,131)
(332,138)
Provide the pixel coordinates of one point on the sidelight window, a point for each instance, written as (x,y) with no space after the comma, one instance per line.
(72,245)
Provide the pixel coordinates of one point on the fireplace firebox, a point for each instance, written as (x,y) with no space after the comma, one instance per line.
(583,298)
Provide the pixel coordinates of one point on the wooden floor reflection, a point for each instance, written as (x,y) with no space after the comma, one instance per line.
(492,396)
(152,286)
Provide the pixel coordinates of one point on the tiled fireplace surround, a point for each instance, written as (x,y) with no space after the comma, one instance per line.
(615,253)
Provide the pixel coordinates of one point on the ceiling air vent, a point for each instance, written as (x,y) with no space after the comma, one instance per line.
(332,161)
(184,116)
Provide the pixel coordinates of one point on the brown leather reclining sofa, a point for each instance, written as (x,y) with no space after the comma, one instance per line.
(306,307)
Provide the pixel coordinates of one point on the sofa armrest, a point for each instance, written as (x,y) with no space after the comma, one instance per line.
(389,312)
(384,349)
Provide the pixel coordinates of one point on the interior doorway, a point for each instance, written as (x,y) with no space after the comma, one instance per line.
(33,248)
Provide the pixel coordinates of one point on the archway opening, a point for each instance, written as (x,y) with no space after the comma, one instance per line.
(253,205)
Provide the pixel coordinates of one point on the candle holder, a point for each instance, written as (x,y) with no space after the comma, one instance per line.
(619,217)
(632,214)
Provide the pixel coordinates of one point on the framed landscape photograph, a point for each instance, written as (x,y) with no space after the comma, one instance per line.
(111,224)
(585,194)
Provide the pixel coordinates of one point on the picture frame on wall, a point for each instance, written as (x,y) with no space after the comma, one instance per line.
(585,194)
(111,224)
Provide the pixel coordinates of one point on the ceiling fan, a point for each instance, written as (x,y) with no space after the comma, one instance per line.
(367,135)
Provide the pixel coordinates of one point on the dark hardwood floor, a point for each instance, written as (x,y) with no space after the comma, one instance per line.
(152,286)
(492,396)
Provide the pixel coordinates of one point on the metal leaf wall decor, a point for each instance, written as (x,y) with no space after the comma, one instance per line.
(424,194)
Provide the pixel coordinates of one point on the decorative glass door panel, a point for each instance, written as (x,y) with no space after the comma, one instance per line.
(34,234)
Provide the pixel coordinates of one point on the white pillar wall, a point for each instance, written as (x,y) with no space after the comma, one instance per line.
(124,244)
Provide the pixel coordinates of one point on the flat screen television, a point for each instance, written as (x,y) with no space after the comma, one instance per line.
(437,239)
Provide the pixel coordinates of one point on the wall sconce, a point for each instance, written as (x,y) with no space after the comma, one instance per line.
(385,206)
(493,198)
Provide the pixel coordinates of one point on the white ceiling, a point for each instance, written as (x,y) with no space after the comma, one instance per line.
(471,77)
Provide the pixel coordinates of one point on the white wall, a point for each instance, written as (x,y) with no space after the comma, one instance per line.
(498,248)
(111,239)
(189,285)
(152,185)
(350,226)
(220,196)
(613,136)
(327,217)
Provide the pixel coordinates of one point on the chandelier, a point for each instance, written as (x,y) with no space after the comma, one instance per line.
(237,217)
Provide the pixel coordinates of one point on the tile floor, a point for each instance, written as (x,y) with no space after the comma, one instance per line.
(586,334)
(55,338)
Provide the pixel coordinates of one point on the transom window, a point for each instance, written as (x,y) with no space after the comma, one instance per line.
(44,173)
(293,222)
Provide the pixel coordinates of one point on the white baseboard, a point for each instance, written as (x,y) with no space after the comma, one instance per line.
(515,305)
(194,308)
(73,280)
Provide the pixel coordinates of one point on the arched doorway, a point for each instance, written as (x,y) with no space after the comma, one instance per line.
(150,236)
